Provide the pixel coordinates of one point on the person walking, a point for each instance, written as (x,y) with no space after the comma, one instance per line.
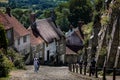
(81,66)
(38,63)
(35,65)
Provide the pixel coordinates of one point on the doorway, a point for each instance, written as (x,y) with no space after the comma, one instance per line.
(48,54)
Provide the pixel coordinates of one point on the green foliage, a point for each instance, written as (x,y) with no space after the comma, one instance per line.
(23,16)
(5,65)
(4,78)
(98,5)
(103,51)
(105,20)
(116,8)
(16,58)
(62,6)
(80,52)
(37,4)
(62,13)
(100,73)
(46,13)
(4,1)
(87,29)
(80,10)
(62,20)
(3,39)
(96,17)
(102,54)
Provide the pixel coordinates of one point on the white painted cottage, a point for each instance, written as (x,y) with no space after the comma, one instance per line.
(54,40)
(18,36)
(21,35)
(8,28)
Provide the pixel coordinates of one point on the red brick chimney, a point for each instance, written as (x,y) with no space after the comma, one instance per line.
(8,11)
(33,24)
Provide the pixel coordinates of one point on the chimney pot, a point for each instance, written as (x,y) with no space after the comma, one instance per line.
(32,18)
(8,11)
(53,15)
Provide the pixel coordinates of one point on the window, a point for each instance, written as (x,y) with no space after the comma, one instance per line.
(19,41)
(46,44)
(24,39)
(56,42)
(24,51)
(9,35)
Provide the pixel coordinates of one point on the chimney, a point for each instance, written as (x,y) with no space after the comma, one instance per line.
(8,11)
(80,24)
(32,18)
(33,24)
(53,16)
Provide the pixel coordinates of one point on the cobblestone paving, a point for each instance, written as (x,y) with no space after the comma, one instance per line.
(45,73)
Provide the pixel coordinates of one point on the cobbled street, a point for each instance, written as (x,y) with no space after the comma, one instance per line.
(45,73)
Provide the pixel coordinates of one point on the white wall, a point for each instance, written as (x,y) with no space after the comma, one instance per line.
(62,58)
(52,49)
(23,46)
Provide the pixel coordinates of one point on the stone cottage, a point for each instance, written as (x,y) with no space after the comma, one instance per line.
(70,56)
(74,38)
(21,35)
(54,40)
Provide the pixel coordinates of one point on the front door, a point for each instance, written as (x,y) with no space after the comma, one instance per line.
(48,54)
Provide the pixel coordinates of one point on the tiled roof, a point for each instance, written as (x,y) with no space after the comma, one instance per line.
(19,29)
(4,21)
(69,51)
(35,40)
(47,30)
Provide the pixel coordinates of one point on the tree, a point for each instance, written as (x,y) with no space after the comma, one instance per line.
(3,39)
(62,12)
(62,19)
(80,10)
(98,5)
(22,16)
(5,65)
(12,3)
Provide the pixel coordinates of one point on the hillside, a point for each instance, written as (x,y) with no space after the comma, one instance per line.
(4,1)
(36,4)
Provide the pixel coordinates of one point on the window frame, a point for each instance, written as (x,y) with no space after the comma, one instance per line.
(24,39)
(18,41)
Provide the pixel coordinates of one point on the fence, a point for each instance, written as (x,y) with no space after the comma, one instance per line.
(77,68)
